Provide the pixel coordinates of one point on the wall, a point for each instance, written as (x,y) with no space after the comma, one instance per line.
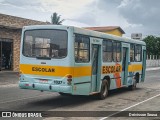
(10,28)
(153,61)
(17,22)
(14,35)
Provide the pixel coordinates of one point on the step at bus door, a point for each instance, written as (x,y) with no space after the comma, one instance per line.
(143,65)
(125,60)
(95,66)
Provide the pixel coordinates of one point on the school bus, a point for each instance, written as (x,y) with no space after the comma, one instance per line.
(76,61)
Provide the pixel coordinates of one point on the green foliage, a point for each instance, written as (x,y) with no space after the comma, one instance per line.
(56,19)
(153,45)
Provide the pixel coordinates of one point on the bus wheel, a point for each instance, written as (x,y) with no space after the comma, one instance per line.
(104,90)
(133,87)
(63,94)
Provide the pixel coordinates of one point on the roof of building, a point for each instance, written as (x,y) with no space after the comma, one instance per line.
(14,22)
(105,28)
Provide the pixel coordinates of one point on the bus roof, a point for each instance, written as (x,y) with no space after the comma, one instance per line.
(86,32)
(106,36)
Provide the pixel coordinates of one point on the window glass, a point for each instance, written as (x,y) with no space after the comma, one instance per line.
(132,53)
(116,51)
(28,46)
(107,50)
(45,43)
(82,48)
(118,54)
(42,47)
(138,53)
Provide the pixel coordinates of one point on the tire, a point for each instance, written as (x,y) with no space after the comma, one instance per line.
(137,77)
(104,90)
(133,87)
(63,94)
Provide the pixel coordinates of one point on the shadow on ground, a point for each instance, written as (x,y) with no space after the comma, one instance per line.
(58,101)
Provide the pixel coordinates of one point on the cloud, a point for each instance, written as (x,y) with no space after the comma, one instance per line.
(42,9)
(21,2)
(142,12)
(68,8)
(102,13)
(28,10)
(132,15)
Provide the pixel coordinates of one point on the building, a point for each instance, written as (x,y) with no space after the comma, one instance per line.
(114,30)
(10,35)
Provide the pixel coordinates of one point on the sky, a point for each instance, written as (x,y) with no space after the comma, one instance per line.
(133,16)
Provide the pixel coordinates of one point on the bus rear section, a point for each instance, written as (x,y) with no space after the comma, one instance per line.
(44,60)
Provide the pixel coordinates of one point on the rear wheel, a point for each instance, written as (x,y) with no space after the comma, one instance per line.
(133,86)
(63,94)
(104,90)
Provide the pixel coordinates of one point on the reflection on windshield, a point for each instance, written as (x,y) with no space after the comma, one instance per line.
(45,43)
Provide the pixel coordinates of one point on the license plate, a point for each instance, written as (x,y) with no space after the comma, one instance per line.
(43,81)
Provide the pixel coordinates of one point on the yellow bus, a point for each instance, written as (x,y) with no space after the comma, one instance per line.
(76,61)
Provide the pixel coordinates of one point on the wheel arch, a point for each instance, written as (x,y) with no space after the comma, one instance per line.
(108,79)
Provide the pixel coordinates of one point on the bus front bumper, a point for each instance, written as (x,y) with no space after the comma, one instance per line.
(45,87)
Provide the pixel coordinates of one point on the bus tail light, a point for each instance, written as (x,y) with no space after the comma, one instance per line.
(69,79)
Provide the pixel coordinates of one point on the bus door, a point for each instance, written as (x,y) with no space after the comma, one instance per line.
(95,57)
(125,60)
(143,65)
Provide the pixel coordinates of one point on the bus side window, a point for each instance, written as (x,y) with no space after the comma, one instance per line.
(116,51)
(118,54)
(132,52)
(138,53)
(81,49)
(107,50)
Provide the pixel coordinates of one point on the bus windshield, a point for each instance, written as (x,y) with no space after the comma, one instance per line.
(44,44)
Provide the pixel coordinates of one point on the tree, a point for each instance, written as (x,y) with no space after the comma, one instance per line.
(56,19)
(152,45)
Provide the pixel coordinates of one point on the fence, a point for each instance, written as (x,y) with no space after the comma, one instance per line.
(153,61)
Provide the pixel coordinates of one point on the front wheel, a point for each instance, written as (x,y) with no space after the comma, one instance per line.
(104,90)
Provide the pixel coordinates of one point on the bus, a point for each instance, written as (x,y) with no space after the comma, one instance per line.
(76,61)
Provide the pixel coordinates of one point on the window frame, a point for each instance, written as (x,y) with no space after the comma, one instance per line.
(137,53)
(132,44)
(24,35)
(79,49)
(107,40)
(116,51)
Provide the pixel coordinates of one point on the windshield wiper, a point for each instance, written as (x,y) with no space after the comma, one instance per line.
(43,57)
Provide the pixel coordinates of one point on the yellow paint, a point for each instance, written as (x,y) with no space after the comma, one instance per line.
(82,71)
(111,69)
(74,71)
(58,70)
(118,68)
(134,67)
(115,32)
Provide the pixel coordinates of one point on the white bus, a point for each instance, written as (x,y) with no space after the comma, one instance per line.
(77,61)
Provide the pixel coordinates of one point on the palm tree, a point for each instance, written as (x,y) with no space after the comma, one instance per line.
(55,19)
